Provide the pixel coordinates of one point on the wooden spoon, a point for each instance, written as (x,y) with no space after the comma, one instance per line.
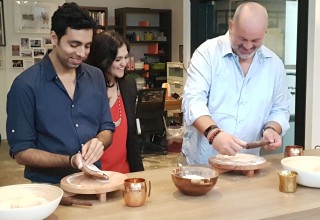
(256,144)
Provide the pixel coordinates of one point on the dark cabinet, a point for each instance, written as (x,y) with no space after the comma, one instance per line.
(99,14)
(149,33)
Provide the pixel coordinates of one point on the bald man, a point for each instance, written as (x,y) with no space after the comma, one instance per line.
(235,92)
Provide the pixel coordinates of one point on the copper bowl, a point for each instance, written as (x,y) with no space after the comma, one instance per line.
(194,181)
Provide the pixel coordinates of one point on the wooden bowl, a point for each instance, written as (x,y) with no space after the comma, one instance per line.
(194,181)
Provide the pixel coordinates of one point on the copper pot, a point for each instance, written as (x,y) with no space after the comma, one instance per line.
(293,150)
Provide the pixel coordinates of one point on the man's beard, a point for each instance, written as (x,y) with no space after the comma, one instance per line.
(243,56)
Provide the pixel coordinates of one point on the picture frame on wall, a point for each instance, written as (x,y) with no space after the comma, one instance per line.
(18,63)
(26,53)
(2,30)
(35,42)
(34,16)
(47,42)
(39,52)
(24,43)
(15,50)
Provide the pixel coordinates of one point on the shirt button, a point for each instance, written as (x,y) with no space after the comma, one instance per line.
(77,125)
(72,106)
(13,131)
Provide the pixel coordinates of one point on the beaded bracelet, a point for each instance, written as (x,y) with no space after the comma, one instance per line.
(210,128)
(214,134)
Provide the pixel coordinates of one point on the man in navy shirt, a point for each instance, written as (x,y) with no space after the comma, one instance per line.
(58,116)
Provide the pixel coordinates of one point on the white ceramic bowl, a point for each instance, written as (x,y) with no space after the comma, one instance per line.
(307,167)
(29,201)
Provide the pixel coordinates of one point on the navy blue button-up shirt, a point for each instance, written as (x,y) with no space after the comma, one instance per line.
(41,114)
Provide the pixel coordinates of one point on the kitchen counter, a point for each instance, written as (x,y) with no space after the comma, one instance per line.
(234,197)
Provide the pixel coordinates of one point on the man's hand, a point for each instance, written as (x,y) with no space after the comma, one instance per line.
(92,151)
(274,139)
(227,144)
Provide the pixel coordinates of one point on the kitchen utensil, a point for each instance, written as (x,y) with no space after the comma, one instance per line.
(194,180)
(79,183)
(29,201)
(293,150)
(183,172)
(69,201)
(287,181)
(242,162)
(307,167)
(256,144)
(136,191)
(93,170)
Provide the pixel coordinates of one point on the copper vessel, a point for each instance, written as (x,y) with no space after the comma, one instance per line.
(294,150)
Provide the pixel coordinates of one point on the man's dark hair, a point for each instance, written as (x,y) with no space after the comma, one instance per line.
(70,15)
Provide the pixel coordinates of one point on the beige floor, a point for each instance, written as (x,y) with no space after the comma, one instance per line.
(12,173)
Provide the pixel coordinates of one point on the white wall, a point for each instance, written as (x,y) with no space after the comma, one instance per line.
(7,74)
(313,77)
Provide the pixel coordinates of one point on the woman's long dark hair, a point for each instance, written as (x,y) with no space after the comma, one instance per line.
(104,49)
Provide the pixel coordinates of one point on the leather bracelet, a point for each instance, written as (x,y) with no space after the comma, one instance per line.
(215,133)
(268,127)
(210,128)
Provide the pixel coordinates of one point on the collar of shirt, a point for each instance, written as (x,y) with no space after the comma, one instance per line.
(51,73)
(226,49)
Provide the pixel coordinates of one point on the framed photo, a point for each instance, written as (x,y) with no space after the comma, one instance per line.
(2,31)
(47,42)
(35,42)
(15,50)
(39,52)
(24,42)
(26,53)
(17,63)
(34,16)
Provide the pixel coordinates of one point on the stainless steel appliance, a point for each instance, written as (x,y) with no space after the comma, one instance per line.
(176,77)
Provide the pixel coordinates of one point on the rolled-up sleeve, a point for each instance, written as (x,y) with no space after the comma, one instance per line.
(21,133)
(196,90)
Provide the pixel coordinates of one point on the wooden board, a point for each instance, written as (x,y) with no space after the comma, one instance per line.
(241,162)
(79,183)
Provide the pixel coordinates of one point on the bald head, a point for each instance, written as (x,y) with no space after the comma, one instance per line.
(247,29)
(252,15)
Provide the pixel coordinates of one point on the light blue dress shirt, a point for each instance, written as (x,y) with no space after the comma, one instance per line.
(240,105)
